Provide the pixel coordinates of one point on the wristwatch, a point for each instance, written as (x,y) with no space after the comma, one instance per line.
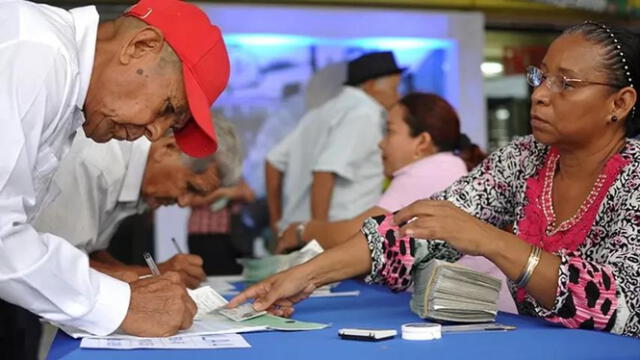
(299,231)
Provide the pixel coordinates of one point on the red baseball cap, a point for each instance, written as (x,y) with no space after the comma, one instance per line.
(205,65)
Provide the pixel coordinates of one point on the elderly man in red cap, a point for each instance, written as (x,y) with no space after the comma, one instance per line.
(159,67)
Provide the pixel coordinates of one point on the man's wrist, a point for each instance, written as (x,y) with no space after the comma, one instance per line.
(110,309)
(300,234)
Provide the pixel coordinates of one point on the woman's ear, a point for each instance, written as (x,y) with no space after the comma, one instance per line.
(624,101)
(424,145)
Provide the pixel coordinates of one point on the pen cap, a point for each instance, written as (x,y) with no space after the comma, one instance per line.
(421,331)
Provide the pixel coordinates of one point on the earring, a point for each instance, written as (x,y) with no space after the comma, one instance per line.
(614,118)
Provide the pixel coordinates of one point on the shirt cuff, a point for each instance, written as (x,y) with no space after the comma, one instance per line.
(112,305)
(343,171)
(374,242)
(586,295)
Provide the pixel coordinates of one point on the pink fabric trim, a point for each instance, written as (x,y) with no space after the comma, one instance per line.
(533,224)
(532,229)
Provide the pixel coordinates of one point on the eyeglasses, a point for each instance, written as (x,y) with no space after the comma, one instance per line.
(559,83)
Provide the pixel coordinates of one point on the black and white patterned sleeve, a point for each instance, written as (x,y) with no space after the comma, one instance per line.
(490,192)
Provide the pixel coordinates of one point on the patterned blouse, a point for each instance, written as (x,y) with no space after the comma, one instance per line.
(599,275)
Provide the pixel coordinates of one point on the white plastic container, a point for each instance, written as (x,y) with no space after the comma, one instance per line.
(421,331)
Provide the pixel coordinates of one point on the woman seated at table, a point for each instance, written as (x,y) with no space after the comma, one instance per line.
(571,191)
(419,154)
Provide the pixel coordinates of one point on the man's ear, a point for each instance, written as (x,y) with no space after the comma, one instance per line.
(164,148)
(368,86)
(140,43)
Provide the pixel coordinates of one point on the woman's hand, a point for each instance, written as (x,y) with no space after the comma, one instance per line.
(278,293)
(435,219)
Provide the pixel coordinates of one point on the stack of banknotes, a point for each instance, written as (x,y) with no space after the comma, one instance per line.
(255,270)
(448,292)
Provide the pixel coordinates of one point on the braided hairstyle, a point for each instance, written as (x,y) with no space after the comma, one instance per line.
(621,60)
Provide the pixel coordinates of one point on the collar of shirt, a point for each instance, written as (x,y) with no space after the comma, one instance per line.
(361,95)
(424,162)
(138,154)
(85,20)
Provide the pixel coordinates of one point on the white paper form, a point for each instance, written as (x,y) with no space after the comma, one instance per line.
(207,300)
(209,324)
(205,322)
(334,294)
(225,341)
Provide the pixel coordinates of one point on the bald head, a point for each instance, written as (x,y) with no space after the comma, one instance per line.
(136,85)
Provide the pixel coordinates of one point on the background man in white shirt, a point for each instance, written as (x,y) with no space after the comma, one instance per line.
(329,168)
(141,74)
(106,183)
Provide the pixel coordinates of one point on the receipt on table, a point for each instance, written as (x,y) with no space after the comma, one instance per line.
(207,300)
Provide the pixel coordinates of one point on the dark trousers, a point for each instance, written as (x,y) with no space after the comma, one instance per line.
(218,252)
(133,238)
(19,333)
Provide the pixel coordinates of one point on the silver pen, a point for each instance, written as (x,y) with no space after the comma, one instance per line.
(175,243)
(476,327)
(152,264)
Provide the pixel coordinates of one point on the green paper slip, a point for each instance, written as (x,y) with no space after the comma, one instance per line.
(283,324)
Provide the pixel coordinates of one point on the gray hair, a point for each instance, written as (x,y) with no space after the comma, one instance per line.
(228,158)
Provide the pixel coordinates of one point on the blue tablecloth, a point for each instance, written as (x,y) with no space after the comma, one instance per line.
(376,307)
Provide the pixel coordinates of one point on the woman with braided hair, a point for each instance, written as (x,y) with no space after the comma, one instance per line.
(571,191)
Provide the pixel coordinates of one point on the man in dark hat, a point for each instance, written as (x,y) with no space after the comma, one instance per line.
(329,168)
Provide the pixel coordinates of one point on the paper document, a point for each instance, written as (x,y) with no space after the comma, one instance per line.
(335,293)
(209,324)
(225,341)
(207,300)
(241,313)
(283,324)
(206,322)
(255,270)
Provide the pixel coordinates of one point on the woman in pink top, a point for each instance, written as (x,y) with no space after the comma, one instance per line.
(420,154)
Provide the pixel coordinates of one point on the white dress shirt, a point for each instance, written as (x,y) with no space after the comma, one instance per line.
(46,57)
(341,137)
(101,182)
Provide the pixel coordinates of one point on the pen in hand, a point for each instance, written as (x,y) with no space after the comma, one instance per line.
(152,264)
(175,243)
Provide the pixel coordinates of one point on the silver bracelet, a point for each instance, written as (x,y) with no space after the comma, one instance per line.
(532,262)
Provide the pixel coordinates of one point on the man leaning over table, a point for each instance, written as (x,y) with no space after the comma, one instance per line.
(160,66)
(140,175)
